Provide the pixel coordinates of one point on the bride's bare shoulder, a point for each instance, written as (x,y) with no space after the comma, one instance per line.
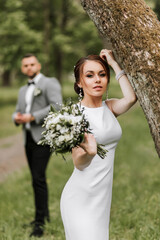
(109,102)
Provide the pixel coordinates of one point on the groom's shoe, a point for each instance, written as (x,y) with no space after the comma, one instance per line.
(47,219)
(38,230)
(26,225)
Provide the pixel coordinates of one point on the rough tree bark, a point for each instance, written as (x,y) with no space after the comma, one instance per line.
(133,31)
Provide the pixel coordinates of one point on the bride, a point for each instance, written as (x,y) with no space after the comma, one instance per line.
(86,198)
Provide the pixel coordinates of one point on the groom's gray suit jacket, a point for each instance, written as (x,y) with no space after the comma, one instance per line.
(47,91)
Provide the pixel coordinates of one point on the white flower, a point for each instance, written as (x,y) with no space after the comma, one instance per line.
(68,137)
(63,130)
(78,119)
(58,127)
(66,113)
(57,118)
(61,138)
(74,111)
(65,109)
(37,92)
(48,124)
(48,138)
(51,121)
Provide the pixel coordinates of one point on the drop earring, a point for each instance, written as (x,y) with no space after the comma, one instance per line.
(107,93)
(80,95)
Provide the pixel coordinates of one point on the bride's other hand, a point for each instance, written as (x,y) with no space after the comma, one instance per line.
(89,144)
(83,154)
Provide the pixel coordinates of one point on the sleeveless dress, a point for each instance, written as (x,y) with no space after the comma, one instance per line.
(86,198)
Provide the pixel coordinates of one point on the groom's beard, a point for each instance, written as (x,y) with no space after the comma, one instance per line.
(31,77)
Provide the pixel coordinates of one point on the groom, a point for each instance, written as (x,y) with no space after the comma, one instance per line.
(32,106)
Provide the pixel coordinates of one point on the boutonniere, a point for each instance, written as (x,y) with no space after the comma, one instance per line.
(37,92)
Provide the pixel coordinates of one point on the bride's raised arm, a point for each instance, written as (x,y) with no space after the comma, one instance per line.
(119,106)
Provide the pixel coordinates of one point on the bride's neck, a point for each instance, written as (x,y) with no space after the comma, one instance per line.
(92,103)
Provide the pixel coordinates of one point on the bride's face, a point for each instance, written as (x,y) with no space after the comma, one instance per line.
(93,79)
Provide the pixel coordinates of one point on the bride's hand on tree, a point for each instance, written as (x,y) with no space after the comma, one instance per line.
(107,55)
(89,144)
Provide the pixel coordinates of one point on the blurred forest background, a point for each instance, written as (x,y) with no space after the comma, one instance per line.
(59,32)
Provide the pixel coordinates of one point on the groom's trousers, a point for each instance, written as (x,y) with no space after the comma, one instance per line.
(38,157)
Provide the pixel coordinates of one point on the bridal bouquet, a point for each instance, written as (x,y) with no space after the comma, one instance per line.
(65,129)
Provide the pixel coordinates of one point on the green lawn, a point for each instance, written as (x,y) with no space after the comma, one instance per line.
(8,98)
(135,212)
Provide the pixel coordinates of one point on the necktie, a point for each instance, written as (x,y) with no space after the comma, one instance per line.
(30,82)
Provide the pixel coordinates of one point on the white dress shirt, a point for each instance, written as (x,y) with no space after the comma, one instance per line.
(29,96)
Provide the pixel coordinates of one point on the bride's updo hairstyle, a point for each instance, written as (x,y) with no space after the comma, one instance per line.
(78,70)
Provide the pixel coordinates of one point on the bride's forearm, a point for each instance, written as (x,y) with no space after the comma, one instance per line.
(115,66)
(124,83)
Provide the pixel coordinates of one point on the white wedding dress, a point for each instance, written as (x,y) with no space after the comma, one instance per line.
(86,198)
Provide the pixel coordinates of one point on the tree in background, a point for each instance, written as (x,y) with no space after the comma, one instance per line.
(57,31)
(70,28)
(133,31)
(16,37)
(157,8)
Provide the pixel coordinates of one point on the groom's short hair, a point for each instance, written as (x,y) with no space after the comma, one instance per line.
(27,55)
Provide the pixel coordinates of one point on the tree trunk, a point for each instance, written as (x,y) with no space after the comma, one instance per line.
(157,8)
(47,35)
(58,63)
(133,31)
(65,12)
(59,55)
(6,80)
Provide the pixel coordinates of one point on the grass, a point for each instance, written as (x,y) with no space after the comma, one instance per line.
(135,207)
(136,197)
(7,127)
(17,202)
(8,98)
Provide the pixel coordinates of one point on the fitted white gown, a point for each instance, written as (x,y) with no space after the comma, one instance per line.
(86,198)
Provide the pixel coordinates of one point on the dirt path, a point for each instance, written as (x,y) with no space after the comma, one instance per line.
(12,156)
